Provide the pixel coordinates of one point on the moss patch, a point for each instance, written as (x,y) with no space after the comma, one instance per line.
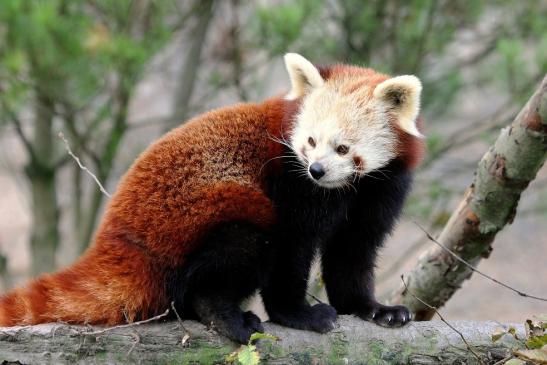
(202,353)
(339,350)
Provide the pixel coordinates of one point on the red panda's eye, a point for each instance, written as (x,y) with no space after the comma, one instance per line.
(342,149)
(311,141)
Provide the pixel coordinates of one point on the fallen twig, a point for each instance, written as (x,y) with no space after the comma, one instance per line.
(469,347)
(504,360)
(67,146)
(314,297)
(521,293)
(94,333)
(137,341)
(186,335)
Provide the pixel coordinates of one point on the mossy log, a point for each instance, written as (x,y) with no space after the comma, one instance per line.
(352,342)
(488,205)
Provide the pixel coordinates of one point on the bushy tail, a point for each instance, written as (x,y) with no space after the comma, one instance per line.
(30,304)
(104,287)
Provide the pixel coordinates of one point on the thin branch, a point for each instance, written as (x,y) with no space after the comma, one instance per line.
(462,63)
(469,347)
(67,146)
(400,261)
(424,37)
(178,317)
(467,134)
(94,333)
(137,341)
(19,129)
(189,69)
(521,293)
(69,120)
(186,333)
(504,360)
(315,297)
(61,161)
(22,136)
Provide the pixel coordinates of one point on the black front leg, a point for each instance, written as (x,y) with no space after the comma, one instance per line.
(284,294)
(349,279)
(350,257)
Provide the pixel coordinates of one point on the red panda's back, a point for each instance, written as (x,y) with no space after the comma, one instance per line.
(205,172)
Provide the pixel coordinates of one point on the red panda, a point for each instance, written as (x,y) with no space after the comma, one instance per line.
(239,199)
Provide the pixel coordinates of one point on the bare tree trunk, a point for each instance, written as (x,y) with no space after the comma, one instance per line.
(138,27)
(106,162)
(4,274)
(188,72)
(488,205)
(353,342)
(90,217)
(41,173)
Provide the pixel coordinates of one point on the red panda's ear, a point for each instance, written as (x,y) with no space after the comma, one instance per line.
(402,94)
(303,74)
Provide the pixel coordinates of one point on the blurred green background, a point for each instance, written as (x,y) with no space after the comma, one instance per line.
(114,75)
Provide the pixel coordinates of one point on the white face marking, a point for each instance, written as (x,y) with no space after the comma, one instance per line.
(332,120)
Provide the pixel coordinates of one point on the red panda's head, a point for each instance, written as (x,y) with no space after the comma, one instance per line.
(351,120)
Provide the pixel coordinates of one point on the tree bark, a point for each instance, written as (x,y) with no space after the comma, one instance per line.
(105,164)
(41,173)
(487,206)
(188,71)
(5,278)
(354,341)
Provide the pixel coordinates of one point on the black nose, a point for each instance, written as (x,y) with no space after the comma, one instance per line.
(316,170)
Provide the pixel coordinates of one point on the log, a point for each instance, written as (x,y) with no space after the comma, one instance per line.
(488,205)
(352,342)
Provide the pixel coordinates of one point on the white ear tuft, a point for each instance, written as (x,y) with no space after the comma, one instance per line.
(303,74)
(402,93)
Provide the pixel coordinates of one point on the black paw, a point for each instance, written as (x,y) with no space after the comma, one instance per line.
(387,316)
(319,318)
(252,322)
(239,327)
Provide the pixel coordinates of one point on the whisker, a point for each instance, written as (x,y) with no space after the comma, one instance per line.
(280,141)
(382,172)
(374,177)
(271,159)
(350,185)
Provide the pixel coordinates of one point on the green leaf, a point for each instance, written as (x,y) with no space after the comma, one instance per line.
(536,342)
(248,355)
(263,336)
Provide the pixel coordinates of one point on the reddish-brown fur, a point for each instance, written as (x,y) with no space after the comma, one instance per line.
(213,169)
(410,149)
(195,177)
